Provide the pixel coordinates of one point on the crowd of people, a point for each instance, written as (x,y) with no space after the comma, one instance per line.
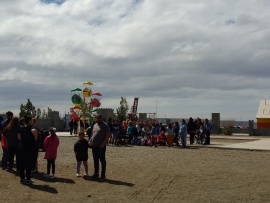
(22,140)
(154,133)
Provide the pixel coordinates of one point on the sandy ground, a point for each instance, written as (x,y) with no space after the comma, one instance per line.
(148,174)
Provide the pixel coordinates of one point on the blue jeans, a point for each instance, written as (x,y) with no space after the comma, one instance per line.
(99,155)
(183,141)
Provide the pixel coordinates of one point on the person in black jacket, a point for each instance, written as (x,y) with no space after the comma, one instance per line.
(191,129)
(27,149)
(81,153)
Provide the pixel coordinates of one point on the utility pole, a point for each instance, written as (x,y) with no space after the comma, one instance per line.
(156,109)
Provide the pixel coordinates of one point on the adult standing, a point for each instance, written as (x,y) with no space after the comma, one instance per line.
(154,134)
(98,141)
(170,135)
(207,131)
(11,133)
(199,131)
(176,133)
(75,125)
(27,148)
(71,127)
(191,128)
(183,133)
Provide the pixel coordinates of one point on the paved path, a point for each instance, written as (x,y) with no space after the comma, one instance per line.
(249,142)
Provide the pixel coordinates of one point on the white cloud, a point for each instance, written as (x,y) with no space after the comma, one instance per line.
(194,58)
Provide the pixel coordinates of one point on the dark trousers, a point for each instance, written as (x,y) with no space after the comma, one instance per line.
(70,131)
(191,137)
(34,164)
(51,164)
(26,161)
(175,139)
(13,152)
(99,155)
(5,158)
(207,138)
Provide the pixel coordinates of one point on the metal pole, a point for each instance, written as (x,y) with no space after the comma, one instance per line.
(156,109)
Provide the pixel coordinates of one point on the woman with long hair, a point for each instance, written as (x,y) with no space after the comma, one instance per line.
(11,133)
(27,147)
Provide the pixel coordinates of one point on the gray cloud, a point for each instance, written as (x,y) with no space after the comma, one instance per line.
(185,58)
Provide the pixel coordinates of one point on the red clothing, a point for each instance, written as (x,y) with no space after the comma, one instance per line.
(50,146)
(162,137)
(3,142)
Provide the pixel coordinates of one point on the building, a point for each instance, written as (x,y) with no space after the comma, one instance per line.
(263,115)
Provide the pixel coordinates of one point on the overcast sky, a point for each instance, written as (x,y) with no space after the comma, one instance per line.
(180,57)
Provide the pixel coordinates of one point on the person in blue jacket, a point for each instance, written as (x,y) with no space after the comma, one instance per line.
(183,133)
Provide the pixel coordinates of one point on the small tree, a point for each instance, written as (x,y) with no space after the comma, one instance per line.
(28,108)
(122,110)
(227,128)
(44,114)
(38,113)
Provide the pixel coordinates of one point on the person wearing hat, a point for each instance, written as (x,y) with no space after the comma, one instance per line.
(98,142)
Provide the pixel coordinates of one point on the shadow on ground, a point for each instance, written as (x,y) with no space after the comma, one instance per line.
(113,182)
(41,177)
(44,188)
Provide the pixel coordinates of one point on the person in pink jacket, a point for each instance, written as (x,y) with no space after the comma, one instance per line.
(51,144)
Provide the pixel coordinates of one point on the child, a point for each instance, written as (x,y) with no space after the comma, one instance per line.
(162,139)
(51,144)
(81,152)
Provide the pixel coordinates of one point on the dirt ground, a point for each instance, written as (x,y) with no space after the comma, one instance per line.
(148,174)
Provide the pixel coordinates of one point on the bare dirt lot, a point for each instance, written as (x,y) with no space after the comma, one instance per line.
(148,174)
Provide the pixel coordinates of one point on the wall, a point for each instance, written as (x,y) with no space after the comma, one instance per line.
(106,113)
(263,123)
(216,123)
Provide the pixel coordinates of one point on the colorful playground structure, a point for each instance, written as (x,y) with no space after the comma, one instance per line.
(84,101)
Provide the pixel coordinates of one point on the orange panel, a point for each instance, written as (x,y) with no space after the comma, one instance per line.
(263,125)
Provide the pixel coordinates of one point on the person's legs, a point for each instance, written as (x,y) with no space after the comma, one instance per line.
(29,163)
(85,164)
(17,159)
(102,152)
(78,167)
(184,141)
(71,131)
(28,172)
(191,138)
(11,154)
(171,140)
(53,166)
(49,163)
(207,139)
(4,158)
(22,166)
(95,153)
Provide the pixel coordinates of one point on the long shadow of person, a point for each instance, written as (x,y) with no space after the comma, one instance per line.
(41,177)
(44,188)
(113,182)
